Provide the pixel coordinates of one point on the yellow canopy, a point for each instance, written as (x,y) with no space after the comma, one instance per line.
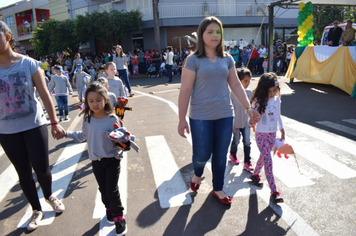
(339,69)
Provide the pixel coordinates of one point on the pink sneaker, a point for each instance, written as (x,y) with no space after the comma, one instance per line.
(234,159)
(248,166)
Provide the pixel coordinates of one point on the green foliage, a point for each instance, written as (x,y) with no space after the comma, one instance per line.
(55,36)
(66,36)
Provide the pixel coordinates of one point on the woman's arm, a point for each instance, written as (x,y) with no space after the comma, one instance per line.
(188,78)
(38,79)
(240,94)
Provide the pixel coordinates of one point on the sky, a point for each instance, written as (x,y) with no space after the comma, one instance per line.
(4,3)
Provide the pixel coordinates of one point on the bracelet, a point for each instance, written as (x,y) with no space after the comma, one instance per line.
(54,123)
(247,108)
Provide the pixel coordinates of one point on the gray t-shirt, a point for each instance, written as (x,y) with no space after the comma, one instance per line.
(112,99)
(210,99)
(98,146)
(116,87)
(79,78)
(241,117)
(120,62)
(60,84)
(78,62)
(20,110)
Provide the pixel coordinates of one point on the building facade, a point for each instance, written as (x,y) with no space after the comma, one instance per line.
(58,9)
(244,21)
(22,17)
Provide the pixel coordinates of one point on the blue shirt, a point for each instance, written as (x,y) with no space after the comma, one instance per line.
(245,58)
(236,57)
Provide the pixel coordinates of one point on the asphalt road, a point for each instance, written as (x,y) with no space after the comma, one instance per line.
(320,124)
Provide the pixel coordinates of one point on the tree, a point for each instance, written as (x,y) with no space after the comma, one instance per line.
(55,36)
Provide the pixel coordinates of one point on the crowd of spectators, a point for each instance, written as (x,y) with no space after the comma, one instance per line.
(254,56)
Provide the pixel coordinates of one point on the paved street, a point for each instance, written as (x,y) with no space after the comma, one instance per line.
(320,198)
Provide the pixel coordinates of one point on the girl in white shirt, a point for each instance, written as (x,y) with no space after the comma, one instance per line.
(266,100)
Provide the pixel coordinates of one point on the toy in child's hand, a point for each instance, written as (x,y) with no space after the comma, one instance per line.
(121,107)
(281,147)
(81,107)
(123,139)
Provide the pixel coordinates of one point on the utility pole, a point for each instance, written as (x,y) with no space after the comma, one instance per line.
(270,36)
(156,24)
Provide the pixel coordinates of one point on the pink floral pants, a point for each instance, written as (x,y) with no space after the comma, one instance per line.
(265,143)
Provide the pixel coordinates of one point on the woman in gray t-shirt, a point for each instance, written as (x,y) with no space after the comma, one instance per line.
(206,77)
(23,125)
(78,61)
(120,60)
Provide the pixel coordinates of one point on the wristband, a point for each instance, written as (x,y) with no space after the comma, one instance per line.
(54,123)
(247,108)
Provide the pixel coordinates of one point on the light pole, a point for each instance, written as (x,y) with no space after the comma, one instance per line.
(156,24)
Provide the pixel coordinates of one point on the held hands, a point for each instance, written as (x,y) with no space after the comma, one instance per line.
(183,125)
(254,116)
(58,132)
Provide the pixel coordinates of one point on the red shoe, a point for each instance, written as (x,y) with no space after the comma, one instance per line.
(234,159)
(193,186)
(226,200)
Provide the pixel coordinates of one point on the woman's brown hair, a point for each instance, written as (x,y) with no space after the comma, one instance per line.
(121,51)
(6,30)
(200,52)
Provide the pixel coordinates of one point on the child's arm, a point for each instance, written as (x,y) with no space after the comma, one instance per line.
(75,80)
(69,87)
(77,136)
(121,89)
(279,121)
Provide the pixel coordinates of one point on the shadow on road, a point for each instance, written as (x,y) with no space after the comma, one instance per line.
(263,223)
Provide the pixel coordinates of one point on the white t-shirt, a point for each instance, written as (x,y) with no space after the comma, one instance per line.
(271,120)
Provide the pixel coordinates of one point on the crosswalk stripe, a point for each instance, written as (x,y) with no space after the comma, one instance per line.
(319,134)
(351,121)
(62,173)
(284,169)
(339,127)
(1,151)
(327,163)
(171,187)
(7,179)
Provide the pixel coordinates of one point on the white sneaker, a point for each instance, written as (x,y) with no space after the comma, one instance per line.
(56,204)
(35,220)
(66,118)
(61,119)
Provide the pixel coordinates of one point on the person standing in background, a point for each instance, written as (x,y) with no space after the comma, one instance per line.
(348,35)
(334,35)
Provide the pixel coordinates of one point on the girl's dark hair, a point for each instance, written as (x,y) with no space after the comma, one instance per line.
(77,54)
(260,95)
(6,30)
(200,52)
(121,51)
(98,88)
(242,72)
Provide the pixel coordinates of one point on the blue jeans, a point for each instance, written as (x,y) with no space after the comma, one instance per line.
(245,132)
(125,78)
(62,102)
(169,72)
(211,138)
(160,72)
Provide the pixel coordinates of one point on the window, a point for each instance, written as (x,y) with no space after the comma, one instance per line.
(43,16)
(9,20)
(80,11)
(105,7)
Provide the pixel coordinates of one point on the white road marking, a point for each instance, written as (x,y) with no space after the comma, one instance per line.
(171,188)
(327,163)
(339,127)
(62,173)
(351,121)
(327,137)
(8,179)
(1,151)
